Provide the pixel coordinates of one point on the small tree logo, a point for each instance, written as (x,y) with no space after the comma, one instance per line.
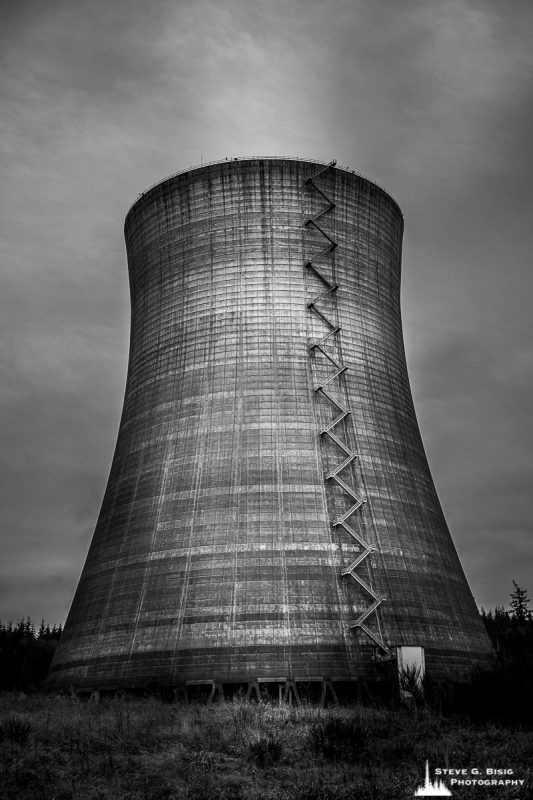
(429,789)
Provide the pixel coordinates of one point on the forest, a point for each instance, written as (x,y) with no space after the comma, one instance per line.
(26,653)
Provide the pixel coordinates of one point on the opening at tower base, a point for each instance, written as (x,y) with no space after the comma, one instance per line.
(270,520)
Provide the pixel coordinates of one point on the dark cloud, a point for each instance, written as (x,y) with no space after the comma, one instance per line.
(431,99)
(472,391)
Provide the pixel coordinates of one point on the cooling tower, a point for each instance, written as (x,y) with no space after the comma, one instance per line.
(270,516)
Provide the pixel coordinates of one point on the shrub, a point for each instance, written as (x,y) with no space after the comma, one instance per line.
(15,729)
(339,739)
(412,684)
(265,751)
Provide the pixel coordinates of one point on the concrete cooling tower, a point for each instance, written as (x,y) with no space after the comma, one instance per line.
(270,519)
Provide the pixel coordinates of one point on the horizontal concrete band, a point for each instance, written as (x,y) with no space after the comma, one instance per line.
(170,656)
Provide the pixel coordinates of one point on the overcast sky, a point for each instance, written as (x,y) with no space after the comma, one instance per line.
(432,99)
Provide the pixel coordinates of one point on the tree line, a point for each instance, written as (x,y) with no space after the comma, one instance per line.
(511,632)
(26,654)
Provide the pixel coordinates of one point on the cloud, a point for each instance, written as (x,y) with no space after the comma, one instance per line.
(473,408)
(431,99)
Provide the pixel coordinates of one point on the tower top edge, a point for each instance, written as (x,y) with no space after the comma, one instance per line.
(239,159)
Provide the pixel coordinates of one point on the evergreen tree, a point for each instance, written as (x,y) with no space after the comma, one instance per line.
(519,604)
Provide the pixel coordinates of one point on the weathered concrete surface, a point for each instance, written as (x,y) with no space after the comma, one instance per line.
(214,556)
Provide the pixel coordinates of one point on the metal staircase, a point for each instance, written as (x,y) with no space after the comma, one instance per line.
(324,307)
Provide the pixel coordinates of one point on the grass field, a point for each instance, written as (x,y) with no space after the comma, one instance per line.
(60,748)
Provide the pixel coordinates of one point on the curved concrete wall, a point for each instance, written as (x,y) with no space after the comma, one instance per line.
(216,556)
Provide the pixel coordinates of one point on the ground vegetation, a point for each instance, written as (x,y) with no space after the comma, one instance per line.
(63,747)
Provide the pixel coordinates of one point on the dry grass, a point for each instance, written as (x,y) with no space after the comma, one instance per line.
(60,748)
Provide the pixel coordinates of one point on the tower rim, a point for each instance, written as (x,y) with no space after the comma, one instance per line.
(232,160)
